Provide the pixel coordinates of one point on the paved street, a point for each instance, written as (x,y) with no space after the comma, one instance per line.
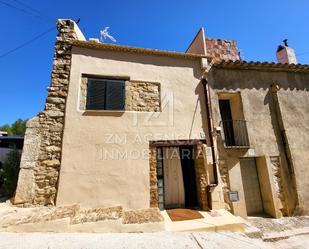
(142,240)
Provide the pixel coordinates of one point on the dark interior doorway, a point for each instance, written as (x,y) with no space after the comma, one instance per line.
(189,177)
(227,121)
(186,164)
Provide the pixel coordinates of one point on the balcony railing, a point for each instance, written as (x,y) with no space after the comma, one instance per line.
(235,133)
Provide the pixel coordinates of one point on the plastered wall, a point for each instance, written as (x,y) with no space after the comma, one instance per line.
(264,134)
(90,173)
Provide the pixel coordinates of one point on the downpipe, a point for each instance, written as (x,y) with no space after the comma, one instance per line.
(211,186)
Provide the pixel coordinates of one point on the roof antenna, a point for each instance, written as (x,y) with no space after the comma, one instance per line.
(285,41)
(78,20)
(104,35)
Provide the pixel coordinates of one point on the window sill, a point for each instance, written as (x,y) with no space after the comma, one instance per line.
(94,112)
(103,110)
(237,147)
(115,113)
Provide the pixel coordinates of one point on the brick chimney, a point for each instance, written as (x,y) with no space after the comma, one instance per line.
(285,54)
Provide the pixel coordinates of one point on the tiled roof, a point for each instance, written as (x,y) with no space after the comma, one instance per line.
(113,47)
(263,66)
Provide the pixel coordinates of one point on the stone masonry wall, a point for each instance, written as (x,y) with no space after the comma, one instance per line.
(224,175)
(276,169)
(201,177)
(222,50)
(41,158)
(142,96)
(154,197)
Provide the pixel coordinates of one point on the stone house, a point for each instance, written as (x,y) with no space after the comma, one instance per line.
(142,128)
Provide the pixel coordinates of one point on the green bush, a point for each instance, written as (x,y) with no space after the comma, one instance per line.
(17,128)
(9,171)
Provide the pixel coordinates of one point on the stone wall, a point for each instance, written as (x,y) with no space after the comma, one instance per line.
(224,175)
(220,49)
(140,95)
(41,158)
(201,177)
(154,197)
(76,219)
(276,169)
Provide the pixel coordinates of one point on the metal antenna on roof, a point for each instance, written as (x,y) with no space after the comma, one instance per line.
(104,35)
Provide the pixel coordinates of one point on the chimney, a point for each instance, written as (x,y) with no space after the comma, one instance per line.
(285,54)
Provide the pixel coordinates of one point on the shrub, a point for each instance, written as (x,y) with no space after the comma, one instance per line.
(9,171)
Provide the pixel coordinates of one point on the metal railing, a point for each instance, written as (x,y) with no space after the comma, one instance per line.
(235,133)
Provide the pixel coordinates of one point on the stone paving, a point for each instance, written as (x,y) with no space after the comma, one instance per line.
(144,241)
(127,240)
(277,229)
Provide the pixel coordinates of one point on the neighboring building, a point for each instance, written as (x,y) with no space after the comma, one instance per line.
(263,146)
(7,143)
(141,128)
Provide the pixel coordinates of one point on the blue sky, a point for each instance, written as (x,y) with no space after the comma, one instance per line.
(258,27)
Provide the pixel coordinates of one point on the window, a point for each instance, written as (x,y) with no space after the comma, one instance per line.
(227,121)
(105,94)
(160,177)
(232,120)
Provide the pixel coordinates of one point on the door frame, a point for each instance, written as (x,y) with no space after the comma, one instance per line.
(200,169)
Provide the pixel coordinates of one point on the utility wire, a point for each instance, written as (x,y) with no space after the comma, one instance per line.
(20,9)
(37,12)
(27,42)
(28,7)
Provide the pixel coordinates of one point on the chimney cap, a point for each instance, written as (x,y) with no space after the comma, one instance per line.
(285,44)
(285,41)
(285,54)
(280,47)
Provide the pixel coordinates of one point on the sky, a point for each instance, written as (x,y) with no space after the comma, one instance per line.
(257,26)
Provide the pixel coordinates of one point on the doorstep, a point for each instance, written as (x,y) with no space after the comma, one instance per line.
(213,221)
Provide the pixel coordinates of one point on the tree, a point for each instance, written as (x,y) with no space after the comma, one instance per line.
(17,128)
(6,128)
(9,171)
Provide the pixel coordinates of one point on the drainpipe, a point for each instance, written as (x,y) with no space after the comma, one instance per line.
(210,187)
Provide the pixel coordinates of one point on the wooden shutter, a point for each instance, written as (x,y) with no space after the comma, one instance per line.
(96,92)
(115,95)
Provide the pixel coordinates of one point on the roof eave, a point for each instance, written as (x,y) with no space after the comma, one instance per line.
(263,66)
(137,50)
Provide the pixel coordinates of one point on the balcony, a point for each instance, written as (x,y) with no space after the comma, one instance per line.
(235,133)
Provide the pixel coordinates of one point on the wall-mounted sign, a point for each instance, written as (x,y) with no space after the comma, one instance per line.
(202,134)
(251,152)
(233,196)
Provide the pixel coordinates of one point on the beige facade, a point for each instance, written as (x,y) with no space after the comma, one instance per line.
(237,118)
(276,121)
(105,154)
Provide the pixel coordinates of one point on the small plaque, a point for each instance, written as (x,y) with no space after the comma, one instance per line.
(233,196)
(251,152)
(202,134)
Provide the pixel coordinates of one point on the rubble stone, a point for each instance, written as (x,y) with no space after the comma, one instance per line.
(43,139)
